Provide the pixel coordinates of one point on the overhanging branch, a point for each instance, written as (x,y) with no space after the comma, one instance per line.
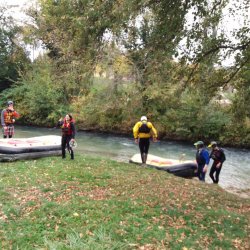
(216,49)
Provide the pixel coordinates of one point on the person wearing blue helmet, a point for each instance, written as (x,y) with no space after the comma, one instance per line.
(202,159)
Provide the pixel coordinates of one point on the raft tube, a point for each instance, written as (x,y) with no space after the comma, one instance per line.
(186,169)
(26,156)
(15,146)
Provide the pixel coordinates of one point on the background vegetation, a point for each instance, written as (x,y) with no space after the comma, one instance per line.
(13,57)
(109,62)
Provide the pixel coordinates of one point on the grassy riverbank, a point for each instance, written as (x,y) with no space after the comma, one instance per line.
(96,204)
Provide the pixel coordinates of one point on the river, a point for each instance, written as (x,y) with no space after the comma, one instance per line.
(234,177)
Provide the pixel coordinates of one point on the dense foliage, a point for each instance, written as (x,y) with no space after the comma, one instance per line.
(12,56)
(109,62)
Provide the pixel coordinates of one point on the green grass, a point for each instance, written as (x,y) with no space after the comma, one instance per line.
(94,203)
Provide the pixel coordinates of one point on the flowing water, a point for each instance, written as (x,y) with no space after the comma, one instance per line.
(234,177)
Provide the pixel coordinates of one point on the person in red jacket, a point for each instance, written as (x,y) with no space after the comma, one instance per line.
(8,117)
(68,135)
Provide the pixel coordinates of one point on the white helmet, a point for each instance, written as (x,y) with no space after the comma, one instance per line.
(73,144)
(144,118)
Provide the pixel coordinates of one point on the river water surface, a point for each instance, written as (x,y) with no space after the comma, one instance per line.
(234,177)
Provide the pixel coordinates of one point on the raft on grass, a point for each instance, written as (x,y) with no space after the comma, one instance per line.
(185,169)
(29,148)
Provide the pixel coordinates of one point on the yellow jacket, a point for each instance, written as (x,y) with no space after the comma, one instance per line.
(137,134)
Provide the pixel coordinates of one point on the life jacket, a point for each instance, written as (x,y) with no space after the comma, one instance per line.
(144,128)
(200,160)
(66,128)
(217,155)
(8,116)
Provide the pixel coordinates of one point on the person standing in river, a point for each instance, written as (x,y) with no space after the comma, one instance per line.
(202,159)
(143,131)
(8,117)
(218,155)
(68,135)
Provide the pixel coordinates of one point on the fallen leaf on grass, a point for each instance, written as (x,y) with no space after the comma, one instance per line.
(146,247)
(3,217)
(89,233)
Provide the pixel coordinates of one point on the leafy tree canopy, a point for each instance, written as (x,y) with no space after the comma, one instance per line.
(12,55)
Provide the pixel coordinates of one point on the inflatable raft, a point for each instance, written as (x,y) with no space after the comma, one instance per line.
(29,148)
(185,169)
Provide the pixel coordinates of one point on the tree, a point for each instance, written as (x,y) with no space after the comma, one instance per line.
(169,52)
(13,57)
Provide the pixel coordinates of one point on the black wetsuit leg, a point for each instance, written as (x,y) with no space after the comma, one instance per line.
(144,147)
(70,149)
(211,173)
(217,174)
(63,144)
(215,170)
(200,173)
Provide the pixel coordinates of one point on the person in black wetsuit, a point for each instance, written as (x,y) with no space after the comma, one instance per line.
(68,135)
(142,131)
(218,155)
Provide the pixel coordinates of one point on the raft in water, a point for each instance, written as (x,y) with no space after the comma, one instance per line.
(29,148)
(185,169)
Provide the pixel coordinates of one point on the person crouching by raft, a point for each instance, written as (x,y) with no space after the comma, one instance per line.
(202,159)
(142,131)
(218,155)
(68,135)
(8,117)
